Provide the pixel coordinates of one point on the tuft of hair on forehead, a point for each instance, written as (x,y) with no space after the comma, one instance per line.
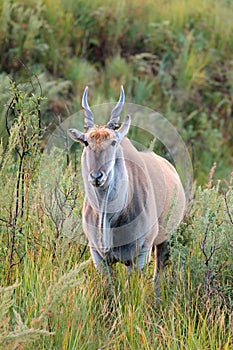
(99,134)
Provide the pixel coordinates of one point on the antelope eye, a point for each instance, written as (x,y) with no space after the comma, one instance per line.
(85,143)
(114,142)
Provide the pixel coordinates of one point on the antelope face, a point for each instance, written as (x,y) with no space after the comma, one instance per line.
(100,153)
(101,143)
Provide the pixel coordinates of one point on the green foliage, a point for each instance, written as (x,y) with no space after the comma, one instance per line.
(51,296)
(193,309)
(21,333)
(173,56)
(22,29)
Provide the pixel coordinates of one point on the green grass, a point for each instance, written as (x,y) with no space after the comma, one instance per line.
(83,310)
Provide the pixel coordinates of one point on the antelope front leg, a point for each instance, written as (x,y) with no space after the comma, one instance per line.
(100,264)
(141,260)
(161,256)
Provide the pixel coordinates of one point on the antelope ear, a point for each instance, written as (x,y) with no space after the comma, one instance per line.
(77,136)
(123,130)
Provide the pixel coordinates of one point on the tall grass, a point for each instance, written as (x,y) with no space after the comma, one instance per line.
(174,56)
(83,311)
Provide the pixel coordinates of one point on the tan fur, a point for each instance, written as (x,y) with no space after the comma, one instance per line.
(133,200)
(166,190)
(155,206)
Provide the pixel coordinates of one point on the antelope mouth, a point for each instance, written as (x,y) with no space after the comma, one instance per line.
(97,183)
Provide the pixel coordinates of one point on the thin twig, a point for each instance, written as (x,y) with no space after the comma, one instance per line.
(213,249)
(228,210)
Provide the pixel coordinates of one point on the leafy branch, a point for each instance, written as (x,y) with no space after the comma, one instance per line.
(23,125)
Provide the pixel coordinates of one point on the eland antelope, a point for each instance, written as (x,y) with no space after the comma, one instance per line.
(133,200)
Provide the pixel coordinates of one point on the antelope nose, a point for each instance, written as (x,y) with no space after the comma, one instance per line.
(97,176)
(97,179)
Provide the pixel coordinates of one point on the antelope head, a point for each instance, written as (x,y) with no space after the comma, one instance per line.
(101,143)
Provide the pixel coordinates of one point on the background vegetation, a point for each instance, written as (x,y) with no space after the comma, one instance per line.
(173,56)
